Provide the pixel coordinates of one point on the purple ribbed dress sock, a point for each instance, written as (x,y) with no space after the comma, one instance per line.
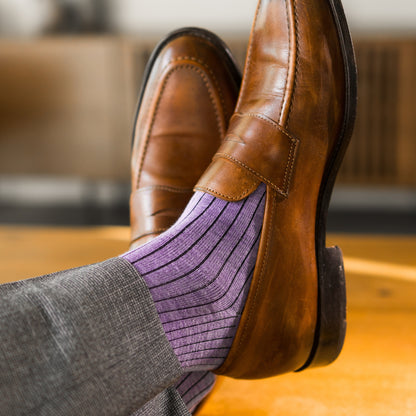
(199,272)
(194,386)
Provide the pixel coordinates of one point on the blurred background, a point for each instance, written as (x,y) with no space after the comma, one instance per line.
(70,72)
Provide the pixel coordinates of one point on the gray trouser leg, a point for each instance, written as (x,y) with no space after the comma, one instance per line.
(86,341)
(167,403)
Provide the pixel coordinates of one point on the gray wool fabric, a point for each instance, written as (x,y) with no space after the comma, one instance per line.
(86,341)
(167,403)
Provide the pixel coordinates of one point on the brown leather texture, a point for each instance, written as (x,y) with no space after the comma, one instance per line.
(287,121)
(189,95)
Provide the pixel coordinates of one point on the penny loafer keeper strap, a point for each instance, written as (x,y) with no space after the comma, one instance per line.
(257,150)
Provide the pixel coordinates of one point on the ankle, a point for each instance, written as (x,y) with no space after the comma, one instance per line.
(199,272)
(194,387)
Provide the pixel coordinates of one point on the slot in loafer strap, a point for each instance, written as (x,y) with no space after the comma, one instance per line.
(259,149)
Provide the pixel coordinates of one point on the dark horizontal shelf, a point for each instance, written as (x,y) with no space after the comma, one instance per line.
(372,222)
(339,221)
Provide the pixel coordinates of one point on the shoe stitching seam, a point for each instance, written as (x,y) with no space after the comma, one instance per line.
(208,41)
(288,60)
(289,165)
(159,99)
(208,69)
(248,59)
(164,188)
(260,280)
(236,198)
(200,73)
(261,177)
(270,121)
(296,61)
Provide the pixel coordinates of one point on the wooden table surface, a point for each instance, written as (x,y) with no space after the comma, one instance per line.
(376,372)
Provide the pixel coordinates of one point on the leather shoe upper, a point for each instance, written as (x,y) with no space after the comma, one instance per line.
(189,94)
(285,129)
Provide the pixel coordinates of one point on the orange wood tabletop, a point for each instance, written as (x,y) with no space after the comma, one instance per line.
(376,372)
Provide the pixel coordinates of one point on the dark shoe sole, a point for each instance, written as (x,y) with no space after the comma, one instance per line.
(331,324)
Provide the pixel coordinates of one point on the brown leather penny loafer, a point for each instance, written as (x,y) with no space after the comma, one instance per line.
(189,93)
(290,130)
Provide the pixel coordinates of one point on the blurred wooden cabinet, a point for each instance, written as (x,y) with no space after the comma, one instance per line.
(383,146)
(64,108)
(67,105)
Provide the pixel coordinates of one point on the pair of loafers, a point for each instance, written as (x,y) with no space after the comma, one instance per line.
(287,124)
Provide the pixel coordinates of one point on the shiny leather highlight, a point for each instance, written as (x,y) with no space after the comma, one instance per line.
(244,147)
(189,93)
(296,80)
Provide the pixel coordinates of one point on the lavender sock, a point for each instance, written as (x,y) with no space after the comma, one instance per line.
(194,387)
(199,272)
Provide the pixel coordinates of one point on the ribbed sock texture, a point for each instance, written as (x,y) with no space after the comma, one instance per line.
(194,387)
(199,272)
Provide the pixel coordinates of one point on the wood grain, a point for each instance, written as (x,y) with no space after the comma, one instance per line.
(376,372)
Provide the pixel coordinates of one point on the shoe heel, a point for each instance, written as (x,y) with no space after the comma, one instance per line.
(331,323)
